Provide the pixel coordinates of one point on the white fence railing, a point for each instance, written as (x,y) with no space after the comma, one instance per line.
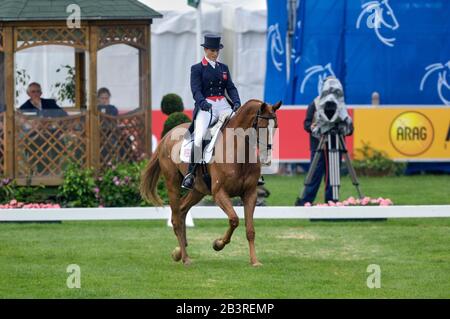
(212,212)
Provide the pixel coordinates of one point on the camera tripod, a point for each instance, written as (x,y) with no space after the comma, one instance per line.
(334,143)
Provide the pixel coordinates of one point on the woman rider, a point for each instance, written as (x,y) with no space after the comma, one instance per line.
(209,82)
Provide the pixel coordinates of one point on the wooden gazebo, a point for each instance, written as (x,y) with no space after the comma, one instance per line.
(36,150)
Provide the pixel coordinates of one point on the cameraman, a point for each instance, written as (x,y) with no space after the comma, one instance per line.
(331,94)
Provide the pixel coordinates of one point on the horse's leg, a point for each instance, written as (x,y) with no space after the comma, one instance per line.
(223,200)
(179,252)
(187,201)
(249,200)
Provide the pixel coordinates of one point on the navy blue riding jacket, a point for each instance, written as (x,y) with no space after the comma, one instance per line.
(207,81)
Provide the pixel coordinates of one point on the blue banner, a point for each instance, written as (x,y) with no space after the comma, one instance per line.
(296,52)
(319,44)
(276,76)
(400,49)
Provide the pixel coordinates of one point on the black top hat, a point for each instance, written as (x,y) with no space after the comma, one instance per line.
(212,42)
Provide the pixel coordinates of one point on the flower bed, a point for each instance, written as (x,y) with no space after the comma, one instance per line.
(351,201)
(16,205)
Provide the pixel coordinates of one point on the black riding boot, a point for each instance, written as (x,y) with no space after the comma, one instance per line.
(261,181)
(189,179)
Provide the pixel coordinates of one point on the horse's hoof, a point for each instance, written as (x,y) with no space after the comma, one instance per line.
(218,244)
(256,264)
(187,262)
(176,254)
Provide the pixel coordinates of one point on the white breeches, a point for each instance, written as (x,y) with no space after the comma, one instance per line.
(203,119)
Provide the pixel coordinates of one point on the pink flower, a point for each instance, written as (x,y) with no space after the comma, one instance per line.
(308,204)
(385,202)
(339,204)
(345,203)
(331,203)
(14,204)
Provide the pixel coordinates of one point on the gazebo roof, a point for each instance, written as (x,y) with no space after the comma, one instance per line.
(39,10)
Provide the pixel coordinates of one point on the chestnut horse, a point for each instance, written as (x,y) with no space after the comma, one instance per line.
(229,178)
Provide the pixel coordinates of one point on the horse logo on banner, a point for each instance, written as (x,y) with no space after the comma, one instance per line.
(276,46)
(380,15)
(441,80)
(321,71)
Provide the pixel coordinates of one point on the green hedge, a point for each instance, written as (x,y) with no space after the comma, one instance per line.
(116,186)
(171,103)
(174,120)
(9,190)
(376,163)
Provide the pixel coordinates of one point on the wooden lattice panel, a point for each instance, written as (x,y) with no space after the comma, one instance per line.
(30,37)
(2,144)
(122,138)
(131,35)
(44,146)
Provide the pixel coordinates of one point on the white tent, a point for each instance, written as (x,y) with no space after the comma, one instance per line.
(244,36)
(243,24)
(174,46)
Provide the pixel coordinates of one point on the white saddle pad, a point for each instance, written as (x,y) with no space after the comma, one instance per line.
(186,146)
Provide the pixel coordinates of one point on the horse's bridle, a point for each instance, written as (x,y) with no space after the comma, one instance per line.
(255,126)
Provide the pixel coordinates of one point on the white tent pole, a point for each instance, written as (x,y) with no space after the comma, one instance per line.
(199,31)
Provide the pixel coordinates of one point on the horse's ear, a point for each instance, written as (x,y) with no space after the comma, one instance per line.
(263,106)
(277,105)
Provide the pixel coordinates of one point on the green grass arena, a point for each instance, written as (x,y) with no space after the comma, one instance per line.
(301,259)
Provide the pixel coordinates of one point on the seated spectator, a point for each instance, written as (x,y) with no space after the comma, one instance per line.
(42,107)
(104,104)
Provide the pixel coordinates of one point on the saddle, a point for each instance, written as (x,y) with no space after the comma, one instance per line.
(208,145)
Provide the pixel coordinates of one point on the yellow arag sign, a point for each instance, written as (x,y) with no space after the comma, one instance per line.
(410,134)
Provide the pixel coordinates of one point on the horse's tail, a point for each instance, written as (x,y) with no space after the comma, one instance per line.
(149,180)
